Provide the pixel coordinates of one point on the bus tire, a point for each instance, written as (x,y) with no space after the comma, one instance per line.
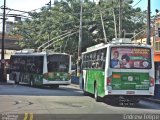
(96,97)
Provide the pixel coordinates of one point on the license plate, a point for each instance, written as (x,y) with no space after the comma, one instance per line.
(130,92)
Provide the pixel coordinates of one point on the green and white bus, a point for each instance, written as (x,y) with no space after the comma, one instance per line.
(120,69)
(37,69)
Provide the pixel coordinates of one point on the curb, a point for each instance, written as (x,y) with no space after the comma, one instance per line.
(6,83)
(153,100)
(9,82)
(75,85)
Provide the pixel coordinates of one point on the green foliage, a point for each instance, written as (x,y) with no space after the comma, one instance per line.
(64,16)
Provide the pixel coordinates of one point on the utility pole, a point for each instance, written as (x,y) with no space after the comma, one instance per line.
(148,24)
(104,32)
(49,32)
(80,39)
(114,18)
(98,2)
(2,49)
(120,18)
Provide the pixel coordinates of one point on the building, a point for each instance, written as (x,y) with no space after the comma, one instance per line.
(10,45)
(9,27)
(157,39)
(157,57)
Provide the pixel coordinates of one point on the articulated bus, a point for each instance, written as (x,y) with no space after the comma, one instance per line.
(119,69)
(37,69)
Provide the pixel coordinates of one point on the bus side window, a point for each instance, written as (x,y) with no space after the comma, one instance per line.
(87,57)
(86,64)
(93,64)
(84,57)
(90,64)
(90,56)
(94,55)
(98,62)
(104,58)
(98,55)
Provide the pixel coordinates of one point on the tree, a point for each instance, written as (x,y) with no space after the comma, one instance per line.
(64,17)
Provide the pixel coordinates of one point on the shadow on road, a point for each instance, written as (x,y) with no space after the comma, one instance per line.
(141,105)
(26,90)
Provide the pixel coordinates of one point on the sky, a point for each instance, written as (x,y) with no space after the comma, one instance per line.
(155,4)
(28,5)
(23,5)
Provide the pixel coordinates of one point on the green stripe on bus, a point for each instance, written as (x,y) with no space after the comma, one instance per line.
(98,76)
(130,81)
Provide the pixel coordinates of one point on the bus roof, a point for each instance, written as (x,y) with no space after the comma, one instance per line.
(31,52)
(116,42)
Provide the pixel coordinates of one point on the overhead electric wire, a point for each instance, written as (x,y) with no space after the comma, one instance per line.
(60,39)
(24,11)
(137,3)
(6,14)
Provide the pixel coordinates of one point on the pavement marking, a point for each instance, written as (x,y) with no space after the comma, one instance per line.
(31,116)
(26,116)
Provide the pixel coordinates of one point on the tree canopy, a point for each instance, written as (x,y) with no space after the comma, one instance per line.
(63,19)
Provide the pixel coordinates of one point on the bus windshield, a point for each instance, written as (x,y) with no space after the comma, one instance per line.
(58,63)
(130,58)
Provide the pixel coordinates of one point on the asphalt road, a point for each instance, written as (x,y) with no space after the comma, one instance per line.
(46,103)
